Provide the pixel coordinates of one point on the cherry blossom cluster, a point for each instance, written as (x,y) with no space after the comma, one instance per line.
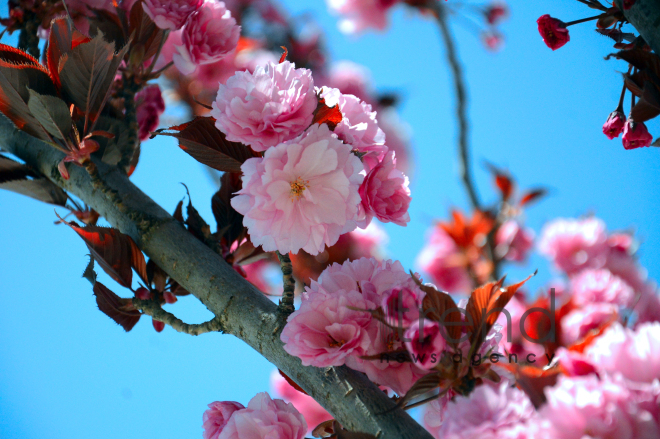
(635,133)
(313,183)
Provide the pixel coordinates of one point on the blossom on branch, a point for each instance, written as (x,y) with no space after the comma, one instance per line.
(636,135)
(553,31)
(274,104)
(614,124)
(303,194)
(216,417)
(170,14)
(150,105)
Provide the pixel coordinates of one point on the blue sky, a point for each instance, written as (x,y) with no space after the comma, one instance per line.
(66,370)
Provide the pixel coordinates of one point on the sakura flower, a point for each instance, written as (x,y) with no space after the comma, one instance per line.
(487,413)
(302,194)
(553,31)
(170,14)
(441,259)
(401,306)
(358,127)
(397,134)
(633,354)
(324,330)
(351,79)
(209,35)
(573,363)
(636,135)
(150,106)
(311,410)
(614,124)
(425,343)
(359,15)
(601,286)
(513,242)
(265,418)
(496,12)
(575,244)
(604,407)
(578,323)
(368,242)
(385,193)
(274,104)
(217,416)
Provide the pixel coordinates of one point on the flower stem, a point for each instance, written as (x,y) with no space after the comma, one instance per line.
(286,304)
(571,23)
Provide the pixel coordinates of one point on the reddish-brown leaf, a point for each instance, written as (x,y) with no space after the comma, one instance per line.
(648,105)
(115,252)
(330,116)
(118,309)
(229,222)
(62,39)
(284,55)
(533,380)
(503,181)
(17,56)
(19,178)
(145,33)
(206,144)
(438,306)
(421,386)
(469,233)
(531,196)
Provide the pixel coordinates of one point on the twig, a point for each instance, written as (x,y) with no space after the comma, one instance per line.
(286,304)
(153,309)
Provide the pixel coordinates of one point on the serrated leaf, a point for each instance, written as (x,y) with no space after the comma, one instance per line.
(52,113)
(648,105)
(89,272)
(206,144)
(227,218)
(63,37)
(16,56)
(19,178)
(118,309)
(438,306)
(145,32)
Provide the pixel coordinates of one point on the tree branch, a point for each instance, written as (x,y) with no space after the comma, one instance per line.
(286,304)
(241,309)
(645,16)
(153,309)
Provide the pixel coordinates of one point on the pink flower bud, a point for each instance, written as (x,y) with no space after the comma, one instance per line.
(614,125)
(170,14)
(143,293)
(150,106)
(210,34)
(635,135)
(217,416)
(553,31)
(158,325)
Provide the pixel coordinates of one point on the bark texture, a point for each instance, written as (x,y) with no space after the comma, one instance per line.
(644,15)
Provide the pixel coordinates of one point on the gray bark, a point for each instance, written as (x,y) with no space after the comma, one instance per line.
(243,311)
(645,17)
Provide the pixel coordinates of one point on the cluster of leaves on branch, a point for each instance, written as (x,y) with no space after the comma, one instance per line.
(642,79)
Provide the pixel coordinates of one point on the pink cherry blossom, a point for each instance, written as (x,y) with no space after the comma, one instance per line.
(553,31)
(397,138)
(170,14)
(496,12)
(311,410)
(605,407)
(575,244)
(574,363)
(368,242)
(401,306)
(274,104)
(385,193)
(513,241)
(636,135)
(217,416)
(440,258)
(601,285)
(351,79)
(210,34)
(614,124)
(324,330)
(302,194)
(359,15)
(487,413)
(150,106)
(265,418)
(358,127)
(633,354)
(578,323)
(425,343)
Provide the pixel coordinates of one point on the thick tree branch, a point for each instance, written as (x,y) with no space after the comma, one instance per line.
(286,304)
(645,16)
(153,309)
(242,310)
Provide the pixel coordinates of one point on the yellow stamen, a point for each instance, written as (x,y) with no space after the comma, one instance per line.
(298,187)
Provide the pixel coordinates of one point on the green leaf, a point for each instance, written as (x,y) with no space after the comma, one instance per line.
(52,113)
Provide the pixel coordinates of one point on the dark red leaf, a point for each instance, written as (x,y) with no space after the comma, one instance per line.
(648,105)
(284,55)
(206,144)
(229,222)
(533,380)
(19,178)
(327,115)
(118,309)
(503,181)
(532,195)
(62,39)
(145,33)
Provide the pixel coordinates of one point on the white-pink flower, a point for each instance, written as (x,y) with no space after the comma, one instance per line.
(170,14)
(217,416)
(325,330)
(635,354)
(359,15)
(487,413)
(603,407)
(358,127)
(302,194)
(441,260)
(210,34)
(513,242)
(351,79)
(591,286)
(397,137)
(385,194)
(311,410)
(578,323)
(575,244)
(274,104)
(265,418)
(425,343)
